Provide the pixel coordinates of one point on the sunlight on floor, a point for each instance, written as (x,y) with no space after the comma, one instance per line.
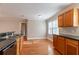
(50,51)
(37,47)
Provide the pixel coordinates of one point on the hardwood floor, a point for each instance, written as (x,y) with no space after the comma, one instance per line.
(36,47)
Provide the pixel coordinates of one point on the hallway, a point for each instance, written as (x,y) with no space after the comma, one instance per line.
(37,47)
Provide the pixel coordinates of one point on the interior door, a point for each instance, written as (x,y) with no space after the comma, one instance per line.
(24,29)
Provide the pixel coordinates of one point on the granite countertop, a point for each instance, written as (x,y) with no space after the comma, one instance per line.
(72,36)
(7,42)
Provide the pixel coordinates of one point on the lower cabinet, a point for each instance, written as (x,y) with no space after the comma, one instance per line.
(59,44)
(56,52)
(71,47)
(55,41)
(66,46)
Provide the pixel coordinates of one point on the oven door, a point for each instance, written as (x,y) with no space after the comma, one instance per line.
(10,50)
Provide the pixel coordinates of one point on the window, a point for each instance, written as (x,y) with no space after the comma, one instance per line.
(50,27)
(53,27)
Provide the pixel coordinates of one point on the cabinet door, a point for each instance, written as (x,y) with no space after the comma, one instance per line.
(60,20)
(55,41)
(61,45)
(56,52)
(68,21)
(71,48)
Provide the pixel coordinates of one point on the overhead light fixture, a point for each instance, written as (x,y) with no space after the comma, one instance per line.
(39,16)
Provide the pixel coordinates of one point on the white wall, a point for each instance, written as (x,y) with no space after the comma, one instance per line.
(9,24)
(36,29)
(51,19)
(67,29)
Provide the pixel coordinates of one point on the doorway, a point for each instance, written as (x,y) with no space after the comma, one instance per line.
(24,29)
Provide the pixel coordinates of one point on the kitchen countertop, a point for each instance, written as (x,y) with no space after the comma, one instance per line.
(75,37)
(4,44)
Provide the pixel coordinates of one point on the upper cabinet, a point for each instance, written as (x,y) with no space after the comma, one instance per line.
(69,18)
(60,20)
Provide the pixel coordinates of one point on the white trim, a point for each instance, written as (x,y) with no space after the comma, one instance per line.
(51,39)
(36,38)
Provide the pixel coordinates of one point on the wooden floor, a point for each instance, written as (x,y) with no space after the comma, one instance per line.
(38,47)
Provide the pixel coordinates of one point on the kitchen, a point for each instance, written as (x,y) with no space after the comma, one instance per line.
(62,29)
(66,38)
(46,29)
(7,43)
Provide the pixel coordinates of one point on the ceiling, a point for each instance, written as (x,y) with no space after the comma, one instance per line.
(31,11)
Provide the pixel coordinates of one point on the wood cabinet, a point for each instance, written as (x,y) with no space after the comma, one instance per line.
(65,45)
(59,44)
(60,20)
(68,21)
(56,52)
(70,18)
(55,38)
(55,45)
(71,47)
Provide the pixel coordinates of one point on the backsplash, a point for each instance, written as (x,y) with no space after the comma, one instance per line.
(69,30)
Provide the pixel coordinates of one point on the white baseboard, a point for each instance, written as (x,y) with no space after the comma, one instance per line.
(48,38)
(36,38)
(51,39)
